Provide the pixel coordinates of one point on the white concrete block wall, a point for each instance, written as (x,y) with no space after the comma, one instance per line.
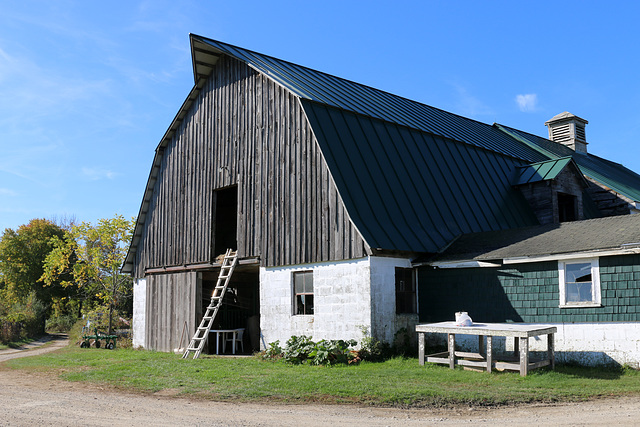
(347,296)
(139,308)
(385,322)
(589,344)
(341,302)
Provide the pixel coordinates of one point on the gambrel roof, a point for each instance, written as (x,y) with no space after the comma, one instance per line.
(412,177)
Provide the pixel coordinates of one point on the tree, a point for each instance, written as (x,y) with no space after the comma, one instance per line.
(93,255)
(22,253)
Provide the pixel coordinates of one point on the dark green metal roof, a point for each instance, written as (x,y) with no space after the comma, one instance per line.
(541,171)
(410,190)
(336,92)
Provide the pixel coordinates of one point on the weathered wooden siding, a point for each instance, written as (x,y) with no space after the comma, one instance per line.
(172,300)
(246,130)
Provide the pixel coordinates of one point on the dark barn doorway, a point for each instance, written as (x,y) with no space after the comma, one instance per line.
(225,220)
(240,306)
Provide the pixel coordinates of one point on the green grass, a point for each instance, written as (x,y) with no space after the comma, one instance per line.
(397,382)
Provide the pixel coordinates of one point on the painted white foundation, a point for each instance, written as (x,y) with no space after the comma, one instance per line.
(348,295)
(589,344)
(139,308)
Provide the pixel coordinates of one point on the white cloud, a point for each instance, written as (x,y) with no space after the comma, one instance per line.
(7,192)
(95,174)
(469,105)
(527,102)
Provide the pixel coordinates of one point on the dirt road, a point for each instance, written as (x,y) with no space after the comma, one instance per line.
(32,399)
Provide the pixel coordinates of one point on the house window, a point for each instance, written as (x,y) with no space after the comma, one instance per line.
(303,292)
(579,283)
(405,291)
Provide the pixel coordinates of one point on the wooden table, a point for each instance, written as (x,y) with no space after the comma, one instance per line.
(484,359)
(224,333)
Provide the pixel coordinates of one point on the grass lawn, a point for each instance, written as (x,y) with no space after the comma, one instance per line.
(397,382)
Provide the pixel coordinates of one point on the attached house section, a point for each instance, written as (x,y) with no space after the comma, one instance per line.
(591,293)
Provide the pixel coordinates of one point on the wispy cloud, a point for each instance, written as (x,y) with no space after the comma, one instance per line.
(470,105)
(7,192)
(96,174)
(527,102)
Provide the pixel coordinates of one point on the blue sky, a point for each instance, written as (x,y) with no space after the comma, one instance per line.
(87,89)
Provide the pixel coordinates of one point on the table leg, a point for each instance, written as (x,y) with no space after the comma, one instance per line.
(452,350)
(217,342)
(524,356)
(550,350)
(489,356)
(421,349)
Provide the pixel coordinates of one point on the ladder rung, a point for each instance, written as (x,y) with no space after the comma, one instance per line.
(193,349)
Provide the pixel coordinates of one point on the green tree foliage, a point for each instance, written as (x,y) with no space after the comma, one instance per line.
(22,253)
(93,255)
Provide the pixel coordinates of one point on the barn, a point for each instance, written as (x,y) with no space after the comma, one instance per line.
(339,198)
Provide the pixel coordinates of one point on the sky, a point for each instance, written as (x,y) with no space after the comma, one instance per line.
(87,89)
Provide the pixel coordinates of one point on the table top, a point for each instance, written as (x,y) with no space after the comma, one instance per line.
(494,329)
(225,330)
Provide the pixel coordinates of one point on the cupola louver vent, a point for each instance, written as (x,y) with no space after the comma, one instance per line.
(569,130)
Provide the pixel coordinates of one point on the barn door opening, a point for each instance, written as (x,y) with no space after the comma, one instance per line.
(225,220)
(240,306)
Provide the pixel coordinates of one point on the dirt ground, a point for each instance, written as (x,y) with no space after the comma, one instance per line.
(33,399)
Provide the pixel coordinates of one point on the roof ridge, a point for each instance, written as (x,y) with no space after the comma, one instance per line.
(348,81)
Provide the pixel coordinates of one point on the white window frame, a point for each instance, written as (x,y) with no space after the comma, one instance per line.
(595,283)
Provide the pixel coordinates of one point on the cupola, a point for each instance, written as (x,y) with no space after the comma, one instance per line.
(568,129)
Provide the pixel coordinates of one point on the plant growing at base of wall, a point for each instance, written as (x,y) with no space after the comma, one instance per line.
(93,254)
(301,349)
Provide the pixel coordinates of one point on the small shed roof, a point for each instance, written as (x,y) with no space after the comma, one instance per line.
(574,237)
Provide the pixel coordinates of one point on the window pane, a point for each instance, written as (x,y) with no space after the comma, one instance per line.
(308,282)
(579,292)
(578,272)
(299,304)
(298,283)
(308,304)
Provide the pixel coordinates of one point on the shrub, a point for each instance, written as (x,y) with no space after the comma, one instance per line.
(23,320)
(61,323)
(301,349)
(372,349)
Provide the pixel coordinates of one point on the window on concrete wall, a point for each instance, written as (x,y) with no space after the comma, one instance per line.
(405,291)
(579,283)
(303,292)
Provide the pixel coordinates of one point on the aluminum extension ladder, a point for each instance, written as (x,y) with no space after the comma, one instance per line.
(200,337)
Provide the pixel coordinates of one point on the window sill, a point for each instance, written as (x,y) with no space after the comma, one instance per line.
(581,305)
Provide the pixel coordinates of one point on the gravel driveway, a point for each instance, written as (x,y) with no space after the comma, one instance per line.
(35,399)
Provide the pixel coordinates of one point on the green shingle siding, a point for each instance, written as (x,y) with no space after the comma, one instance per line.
(527,293)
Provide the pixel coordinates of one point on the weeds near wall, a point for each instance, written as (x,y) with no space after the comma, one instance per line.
(301,349)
